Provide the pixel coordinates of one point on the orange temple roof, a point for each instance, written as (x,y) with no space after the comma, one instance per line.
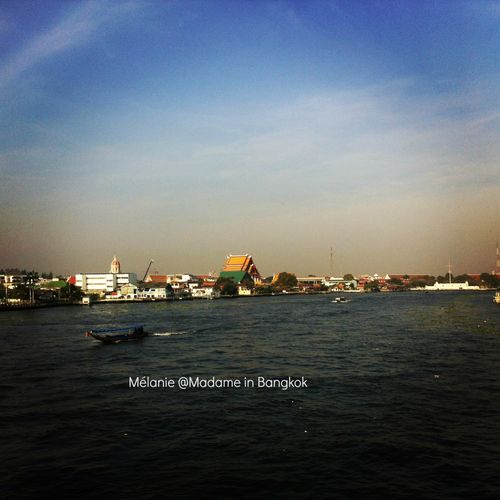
(240,263)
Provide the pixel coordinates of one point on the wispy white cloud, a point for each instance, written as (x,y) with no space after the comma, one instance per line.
(74,29)
(378,136)
(4,25)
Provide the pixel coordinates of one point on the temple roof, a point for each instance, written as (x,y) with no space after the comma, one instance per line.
(241,263)
(236,276)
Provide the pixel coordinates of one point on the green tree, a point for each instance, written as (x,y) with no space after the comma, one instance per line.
(285,281)
(71,293)
(19,292)
(226,286)
(490,280)
(348,277)
(373,286)
(419,283)
(395,281)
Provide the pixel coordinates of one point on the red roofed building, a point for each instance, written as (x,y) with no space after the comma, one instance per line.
(156,278)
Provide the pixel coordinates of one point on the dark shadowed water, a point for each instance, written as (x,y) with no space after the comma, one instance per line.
(403,400)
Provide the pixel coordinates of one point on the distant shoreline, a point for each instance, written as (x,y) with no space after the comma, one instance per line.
(23,307)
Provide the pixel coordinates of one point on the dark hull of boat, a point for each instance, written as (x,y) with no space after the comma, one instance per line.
(116,339)
(136,334)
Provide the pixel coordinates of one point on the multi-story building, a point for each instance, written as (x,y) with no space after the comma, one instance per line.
(103,282)
(12,279)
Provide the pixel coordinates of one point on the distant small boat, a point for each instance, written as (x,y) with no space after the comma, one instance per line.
(339,300)
(496,298)
(117,335)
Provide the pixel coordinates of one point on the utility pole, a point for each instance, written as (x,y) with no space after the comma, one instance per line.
(331,262)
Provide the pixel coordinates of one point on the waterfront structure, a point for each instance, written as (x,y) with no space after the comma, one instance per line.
(305,283)
(156,278)
(205,292)
(107,282)
(183,284)
(238,277)
(156,292)
(340,283)
(131,291)
(451,286)
(13,279)
(128,291)
(237,267)
(310,282)
(103,282)
(408,279)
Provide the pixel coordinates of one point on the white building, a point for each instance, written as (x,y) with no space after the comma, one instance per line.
(108,282)
(178,280)
(131,291)
(206,292)
(105,282)
(451,286)
(156,292)
(13,279)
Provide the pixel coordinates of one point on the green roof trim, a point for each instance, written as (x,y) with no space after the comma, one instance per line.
(236,276)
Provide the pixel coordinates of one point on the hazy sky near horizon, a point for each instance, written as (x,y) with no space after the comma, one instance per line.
(184,131)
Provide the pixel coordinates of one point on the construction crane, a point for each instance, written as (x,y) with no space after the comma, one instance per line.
(147,270)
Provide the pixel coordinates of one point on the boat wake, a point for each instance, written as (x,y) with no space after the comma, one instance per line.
(165,334)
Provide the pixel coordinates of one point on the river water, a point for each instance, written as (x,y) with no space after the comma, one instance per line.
(402,399)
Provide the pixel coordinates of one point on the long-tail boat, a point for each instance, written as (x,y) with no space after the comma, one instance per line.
(117,335)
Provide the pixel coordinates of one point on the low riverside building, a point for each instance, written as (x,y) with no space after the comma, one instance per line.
(338,284)
(205,292)
(128,291)
(451,286)
(156,278)
(13,279)
(305,283)
(205,289)
(156,292)
(182,284)
(131,291)
(312,283)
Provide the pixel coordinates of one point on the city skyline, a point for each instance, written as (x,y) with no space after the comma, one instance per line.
(185,131)
(154,269)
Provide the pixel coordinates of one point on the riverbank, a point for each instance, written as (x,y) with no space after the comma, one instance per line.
(27,305)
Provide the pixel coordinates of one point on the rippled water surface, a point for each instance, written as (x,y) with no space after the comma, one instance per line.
(403,399)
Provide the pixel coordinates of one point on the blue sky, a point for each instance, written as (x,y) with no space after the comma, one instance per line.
(183,131)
